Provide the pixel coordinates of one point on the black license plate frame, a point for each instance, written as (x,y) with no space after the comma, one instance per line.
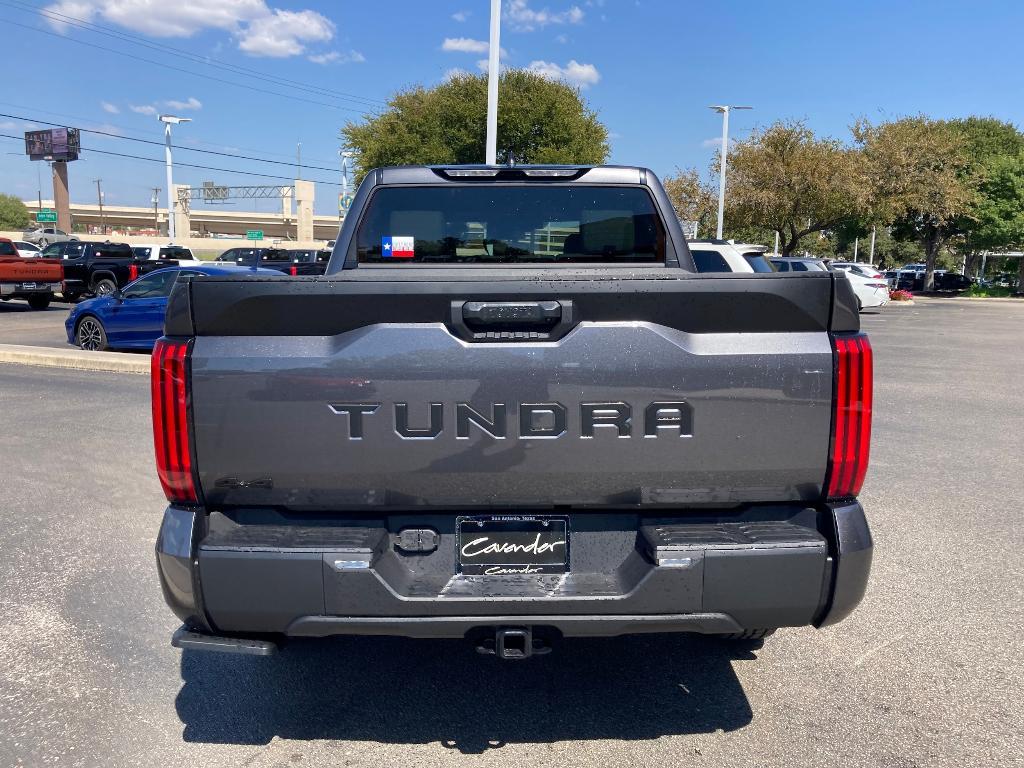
(526,545)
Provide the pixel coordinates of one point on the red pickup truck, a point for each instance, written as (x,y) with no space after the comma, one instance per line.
(35,280)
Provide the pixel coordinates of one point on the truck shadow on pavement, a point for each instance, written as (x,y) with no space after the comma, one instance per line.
(394,690)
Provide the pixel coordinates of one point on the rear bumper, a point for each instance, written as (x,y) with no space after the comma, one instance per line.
(255,573)
(18,290)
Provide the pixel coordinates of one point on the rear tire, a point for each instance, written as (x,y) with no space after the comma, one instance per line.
(90,335)
(104,287)
(70,296)
(39,302)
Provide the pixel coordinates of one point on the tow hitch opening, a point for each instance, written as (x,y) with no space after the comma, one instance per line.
(513,643)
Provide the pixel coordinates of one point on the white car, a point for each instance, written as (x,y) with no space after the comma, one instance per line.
(158,252)
(871,291)
(723,256)
(864,270)
(26,249)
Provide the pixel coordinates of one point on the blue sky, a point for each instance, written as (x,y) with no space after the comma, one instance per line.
(649,67)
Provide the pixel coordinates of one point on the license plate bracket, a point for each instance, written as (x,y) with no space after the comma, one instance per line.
(503,545)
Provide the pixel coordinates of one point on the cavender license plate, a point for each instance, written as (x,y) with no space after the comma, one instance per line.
(500,545)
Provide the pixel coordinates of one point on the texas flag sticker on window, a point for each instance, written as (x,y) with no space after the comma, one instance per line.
(397,247)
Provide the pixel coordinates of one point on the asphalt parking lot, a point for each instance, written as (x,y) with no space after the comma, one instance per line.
(927,672)
(42,328)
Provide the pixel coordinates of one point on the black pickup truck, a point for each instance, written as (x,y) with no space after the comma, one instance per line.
(510,411)
(99,268)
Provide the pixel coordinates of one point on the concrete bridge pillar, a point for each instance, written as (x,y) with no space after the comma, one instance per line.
(182,214)
(304,198)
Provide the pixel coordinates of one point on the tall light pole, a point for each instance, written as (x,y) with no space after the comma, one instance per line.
(156,211)
(99,200)
(724,109)
(492,84)
(168,121)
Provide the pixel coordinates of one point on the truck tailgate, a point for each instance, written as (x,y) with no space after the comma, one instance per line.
(366,392)
(14,269)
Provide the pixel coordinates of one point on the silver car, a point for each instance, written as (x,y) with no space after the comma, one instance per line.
(44,236)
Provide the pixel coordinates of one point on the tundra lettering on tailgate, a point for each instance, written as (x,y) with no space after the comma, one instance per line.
(531,420)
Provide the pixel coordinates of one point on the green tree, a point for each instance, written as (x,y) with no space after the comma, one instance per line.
(921,181)
(786,179)
(994,219)
(13,213)
(693,199)
(539,121)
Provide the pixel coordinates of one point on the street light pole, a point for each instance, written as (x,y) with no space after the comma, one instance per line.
(99,200)
(168,121)
(724,109)
(492,84)
(156,211)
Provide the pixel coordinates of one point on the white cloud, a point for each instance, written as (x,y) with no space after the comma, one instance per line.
(574,73)
(523,18)
(285,33)
(563,39)
(337,57)
(464,45)
(110,108)
(182,18)
(7,125)
(461,16)
(455,72)
(192,103)
(258,29)
(145,109)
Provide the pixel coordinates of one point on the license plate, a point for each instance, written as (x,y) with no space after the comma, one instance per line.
(30,286)
(502,545)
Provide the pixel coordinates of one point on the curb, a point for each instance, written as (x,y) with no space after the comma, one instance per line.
(75,359)
(908,303)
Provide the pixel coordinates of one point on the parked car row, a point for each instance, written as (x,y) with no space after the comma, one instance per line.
(725,256)
(295,262)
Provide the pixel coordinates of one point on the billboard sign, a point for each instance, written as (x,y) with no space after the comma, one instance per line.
(53,144)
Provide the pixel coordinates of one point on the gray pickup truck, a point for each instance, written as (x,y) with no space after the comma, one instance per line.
(511,411)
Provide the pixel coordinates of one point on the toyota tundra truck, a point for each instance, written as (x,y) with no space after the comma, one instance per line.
(511,411)
(32,279)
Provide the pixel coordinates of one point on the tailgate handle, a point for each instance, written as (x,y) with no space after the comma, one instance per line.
(511,320)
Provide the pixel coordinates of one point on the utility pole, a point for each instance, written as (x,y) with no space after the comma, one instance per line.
(724,109)
(168,121)
(492,84)
(871,253)
(156,212)
(99,200)
(856,244)
(298,161)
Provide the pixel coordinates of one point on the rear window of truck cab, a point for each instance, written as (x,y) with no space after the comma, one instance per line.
(494,224)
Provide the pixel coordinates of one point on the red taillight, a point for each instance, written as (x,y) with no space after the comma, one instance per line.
(293,271)
(851,439)
(170,421)
(133,272)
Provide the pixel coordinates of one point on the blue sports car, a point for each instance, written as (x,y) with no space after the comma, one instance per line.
(133,318)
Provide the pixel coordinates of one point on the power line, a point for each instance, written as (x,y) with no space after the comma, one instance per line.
(160,144)
(85,24)
(180,69)
(81,119)
(184,165)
